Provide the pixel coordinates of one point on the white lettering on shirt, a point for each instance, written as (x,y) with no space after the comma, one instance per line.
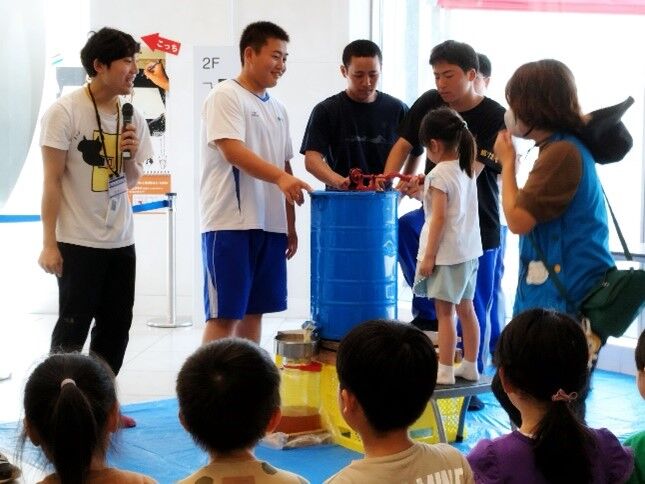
(446,476)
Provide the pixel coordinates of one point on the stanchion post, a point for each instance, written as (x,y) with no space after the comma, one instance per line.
(171,320)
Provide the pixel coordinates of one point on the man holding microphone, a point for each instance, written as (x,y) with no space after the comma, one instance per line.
(93,150)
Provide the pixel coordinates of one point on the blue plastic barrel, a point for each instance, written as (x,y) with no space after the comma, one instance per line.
(353,259)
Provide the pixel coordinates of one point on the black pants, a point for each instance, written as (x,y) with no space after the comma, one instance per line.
(96,284)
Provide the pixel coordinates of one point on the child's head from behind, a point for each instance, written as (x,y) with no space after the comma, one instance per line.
(228,392)
(640,363)
(541,352)
(442,131)
(70,409)
(543,360)
(390,368)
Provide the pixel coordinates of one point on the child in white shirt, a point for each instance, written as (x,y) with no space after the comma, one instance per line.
(450,242)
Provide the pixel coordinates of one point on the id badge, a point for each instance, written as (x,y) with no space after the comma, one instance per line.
(117,185)
(110,215)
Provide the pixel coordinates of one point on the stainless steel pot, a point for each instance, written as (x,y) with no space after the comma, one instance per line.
(296,344)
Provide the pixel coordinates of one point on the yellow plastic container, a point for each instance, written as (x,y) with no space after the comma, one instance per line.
(423,430)
(300,384)
(300,396)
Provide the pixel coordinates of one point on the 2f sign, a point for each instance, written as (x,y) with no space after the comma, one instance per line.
(210,62)
(211,65)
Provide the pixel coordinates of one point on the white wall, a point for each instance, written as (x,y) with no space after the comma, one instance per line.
(318,32)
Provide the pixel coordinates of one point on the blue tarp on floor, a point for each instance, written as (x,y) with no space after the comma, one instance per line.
(160,447)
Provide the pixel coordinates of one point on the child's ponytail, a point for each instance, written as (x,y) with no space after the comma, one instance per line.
(75,433)
(446,125)
(69,401)
(467,148)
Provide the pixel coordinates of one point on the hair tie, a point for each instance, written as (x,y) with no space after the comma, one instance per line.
(562,396)
(66,381)
(459,125)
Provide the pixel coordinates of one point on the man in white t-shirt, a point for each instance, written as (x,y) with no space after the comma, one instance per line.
(247,191)
(91,156)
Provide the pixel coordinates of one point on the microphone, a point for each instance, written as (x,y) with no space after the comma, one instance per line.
(127,111)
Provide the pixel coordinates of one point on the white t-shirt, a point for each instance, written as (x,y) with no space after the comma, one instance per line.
(70,125)
(420,463)
(461,240)
(230,198)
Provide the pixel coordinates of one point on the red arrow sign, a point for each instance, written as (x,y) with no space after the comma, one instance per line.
(155,42)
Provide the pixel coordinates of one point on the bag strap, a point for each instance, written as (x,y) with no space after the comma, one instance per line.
(554,277)
(628,255)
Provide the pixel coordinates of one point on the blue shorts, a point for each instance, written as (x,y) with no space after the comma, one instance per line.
(245,272)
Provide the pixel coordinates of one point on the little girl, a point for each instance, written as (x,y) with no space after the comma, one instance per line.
(542,360)
(70,411)
(450,243)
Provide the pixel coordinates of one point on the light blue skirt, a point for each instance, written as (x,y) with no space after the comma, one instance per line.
(451,283)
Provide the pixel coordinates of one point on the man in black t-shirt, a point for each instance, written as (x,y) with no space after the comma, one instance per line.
(357,127)
(498,308)
(455,67)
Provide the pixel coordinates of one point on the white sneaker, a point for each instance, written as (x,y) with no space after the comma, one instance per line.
(445,375)
(467,370)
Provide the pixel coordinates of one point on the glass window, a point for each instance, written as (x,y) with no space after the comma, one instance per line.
(602,50)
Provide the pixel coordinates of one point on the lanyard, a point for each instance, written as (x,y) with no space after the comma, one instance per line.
(102,136)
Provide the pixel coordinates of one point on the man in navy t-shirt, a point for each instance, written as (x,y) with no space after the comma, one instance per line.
(357,127)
